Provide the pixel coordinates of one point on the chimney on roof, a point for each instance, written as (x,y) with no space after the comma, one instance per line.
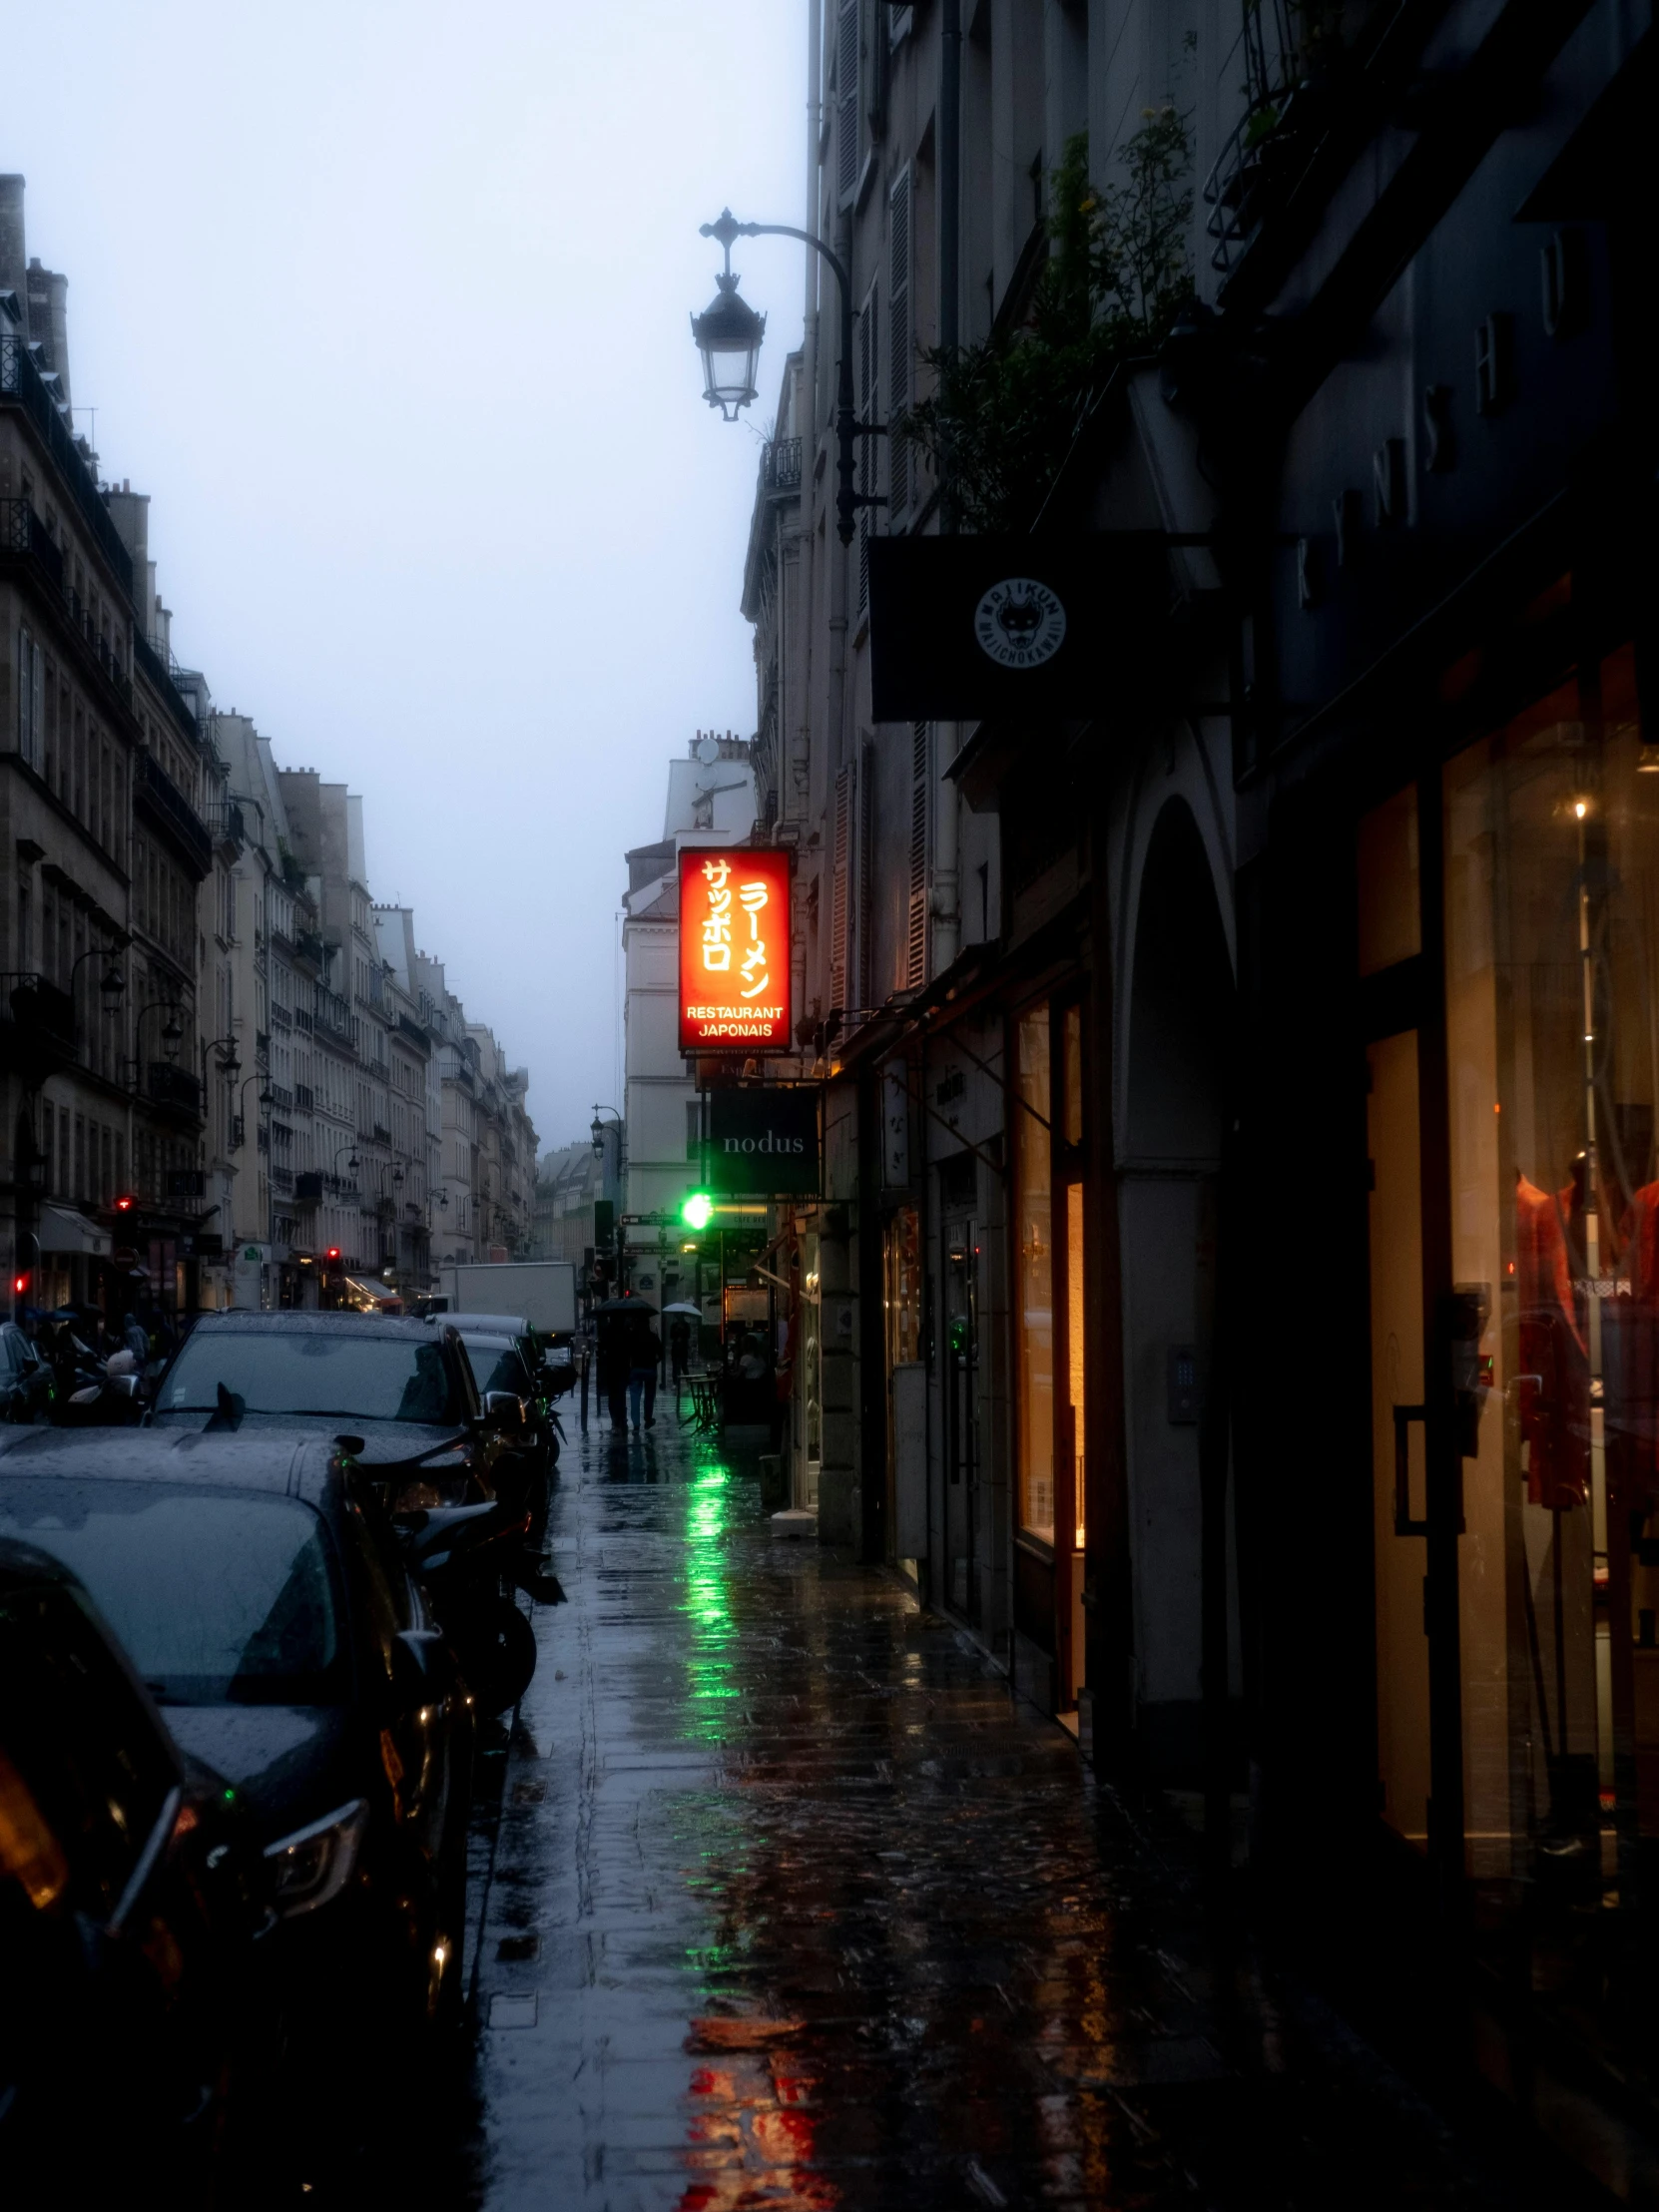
(49,321)
(14,273)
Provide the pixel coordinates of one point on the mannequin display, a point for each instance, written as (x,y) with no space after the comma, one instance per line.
(1554,1377)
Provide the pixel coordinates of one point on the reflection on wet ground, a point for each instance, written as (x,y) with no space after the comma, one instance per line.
(791,1905)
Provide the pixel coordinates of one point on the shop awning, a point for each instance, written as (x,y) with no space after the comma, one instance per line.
(375,1294)
(63,1231)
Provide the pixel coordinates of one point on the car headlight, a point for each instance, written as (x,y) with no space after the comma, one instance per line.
(314,1864)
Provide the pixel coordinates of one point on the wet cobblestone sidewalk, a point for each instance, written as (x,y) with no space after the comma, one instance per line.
(789,1905)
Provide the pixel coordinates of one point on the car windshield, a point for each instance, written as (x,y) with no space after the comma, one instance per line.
(220,1596)
(498,1365)
(347,1377)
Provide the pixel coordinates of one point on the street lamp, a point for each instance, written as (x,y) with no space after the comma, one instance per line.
(728,334)
(173,1030)
(729,369)
(598,1128)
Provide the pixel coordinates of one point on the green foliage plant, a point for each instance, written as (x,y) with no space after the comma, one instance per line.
(1003,414)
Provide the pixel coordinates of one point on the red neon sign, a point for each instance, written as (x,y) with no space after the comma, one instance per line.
(733,949)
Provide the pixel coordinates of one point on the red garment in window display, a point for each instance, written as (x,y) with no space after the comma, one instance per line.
(1630,1356)
(1554,1379)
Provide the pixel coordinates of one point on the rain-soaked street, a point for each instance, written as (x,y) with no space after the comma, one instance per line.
(790,1905)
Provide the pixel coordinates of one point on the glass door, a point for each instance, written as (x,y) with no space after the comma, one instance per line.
(1399,1434)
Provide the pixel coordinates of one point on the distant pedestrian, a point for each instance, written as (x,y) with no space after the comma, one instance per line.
(645,1358)
(611,1370)
(679,1350)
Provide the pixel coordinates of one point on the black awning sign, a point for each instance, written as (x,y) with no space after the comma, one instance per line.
(966,629)
(762,1143)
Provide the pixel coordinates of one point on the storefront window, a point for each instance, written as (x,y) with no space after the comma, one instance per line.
(1035,1198)
(902,1288)
(1552,1014)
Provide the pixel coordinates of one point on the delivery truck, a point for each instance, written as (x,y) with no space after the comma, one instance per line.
(542,1290)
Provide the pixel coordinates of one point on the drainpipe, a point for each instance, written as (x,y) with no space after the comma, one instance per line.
(947,900)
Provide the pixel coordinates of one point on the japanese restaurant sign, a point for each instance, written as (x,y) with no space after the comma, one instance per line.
(733,949)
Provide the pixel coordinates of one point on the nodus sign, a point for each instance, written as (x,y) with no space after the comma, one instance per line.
(733,949)
(760,1143)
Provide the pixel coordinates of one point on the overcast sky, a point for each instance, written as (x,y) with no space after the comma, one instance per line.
(384,302)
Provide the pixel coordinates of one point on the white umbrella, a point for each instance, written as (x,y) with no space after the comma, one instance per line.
(684,1305)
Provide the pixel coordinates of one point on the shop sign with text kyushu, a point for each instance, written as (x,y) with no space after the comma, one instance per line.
(733,949)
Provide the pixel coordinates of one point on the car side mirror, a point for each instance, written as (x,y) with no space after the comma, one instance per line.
(416,1668)
(504,1411)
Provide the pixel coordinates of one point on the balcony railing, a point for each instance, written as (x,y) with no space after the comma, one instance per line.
(283,1097)
(39,1034)
(156,668)
(780,465)
(155,791)
(170,1086)
(333,1013)
(304,1097)
(281,1179)
(304,1020)
(22,383)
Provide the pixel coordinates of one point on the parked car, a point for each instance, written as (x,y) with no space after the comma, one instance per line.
(402,1388)
(506,1358)
(135,2035)
(25,1378)
(260,1593)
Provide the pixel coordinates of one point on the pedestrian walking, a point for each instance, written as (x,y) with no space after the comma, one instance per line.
(679,1350)
(645,1360)
(611,1372)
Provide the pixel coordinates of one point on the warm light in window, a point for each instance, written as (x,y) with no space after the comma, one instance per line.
(1580,808)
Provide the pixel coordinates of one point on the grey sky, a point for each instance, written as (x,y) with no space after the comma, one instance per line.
(385,306)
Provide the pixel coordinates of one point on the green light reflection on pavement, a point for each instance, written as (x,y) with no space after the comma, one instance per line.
(706,1600)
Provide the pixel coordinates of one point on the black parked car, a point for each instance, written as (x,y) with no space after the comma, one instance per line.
(260,1595)
(401,1386)
(133,2037)
(506,1360)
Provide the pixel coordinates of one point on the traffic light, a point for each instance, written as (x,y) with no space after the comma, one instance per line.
(125,1203)
(333,1256)
(20,1283)
(698,1210)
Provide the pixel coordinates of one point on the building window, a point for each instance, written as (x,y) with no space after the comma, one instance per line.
(30,700)
(1035,1278)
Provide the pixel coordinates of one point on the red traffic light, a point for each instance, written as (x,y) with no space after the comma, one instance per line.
(20,1283)
(125,1203)
(333,1253)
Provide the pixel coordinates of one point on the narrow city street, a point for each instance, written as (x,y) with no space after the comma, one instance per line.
(790,1905)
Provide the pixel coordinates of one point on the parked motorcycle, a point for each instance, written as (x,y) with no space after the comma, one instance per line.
(105,1395)
(468,1557)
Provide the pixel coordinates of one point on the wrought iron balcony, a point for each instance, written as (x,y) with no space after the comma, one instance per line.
(154,792)
(39,1034)
(170,1086)
(781,466)
(307,1189)
(23,385)
(304,1097)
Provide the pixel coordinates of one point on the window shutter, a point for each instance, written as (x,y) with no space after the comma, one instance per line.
(866,343)
(846,102)
(915,944)
(837,889)
(866,880)
(899,345)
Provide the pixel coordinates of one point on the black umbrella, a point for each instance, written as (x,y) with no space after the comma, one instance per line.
(632,1304)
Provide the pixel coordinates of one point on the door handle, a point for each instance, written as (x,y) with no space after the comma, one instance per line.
(1404,1525)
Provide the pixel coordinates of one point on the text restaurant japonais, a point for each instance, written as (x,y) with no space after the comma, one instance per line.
(733,949)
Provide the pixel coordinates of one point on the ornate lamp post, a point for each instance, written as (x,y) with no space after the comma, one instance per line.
(729,332)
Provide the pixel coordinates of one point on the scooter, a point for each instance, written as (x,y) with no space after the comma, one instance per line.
(463,1555)
(105,1397)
